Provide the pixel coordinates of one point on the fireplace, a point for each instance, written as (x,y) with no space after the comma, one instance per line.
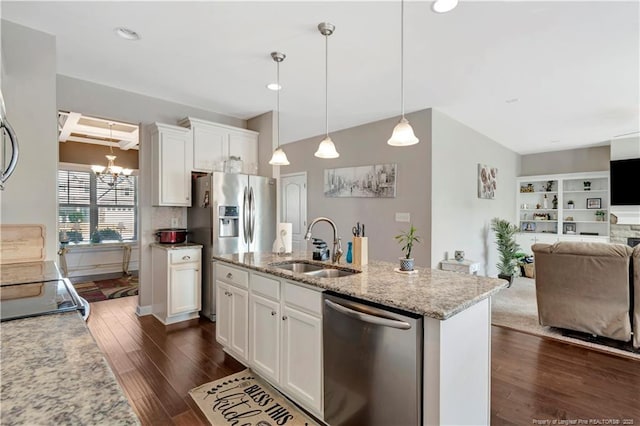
(633,241)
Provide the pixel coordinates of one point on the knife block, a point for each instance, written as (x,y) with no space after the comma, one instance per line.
(360,251)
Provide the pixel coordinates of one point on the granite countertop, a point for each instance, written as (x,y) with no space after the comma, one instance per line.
(54,373)
(176,246)
(13,273)
(430,292)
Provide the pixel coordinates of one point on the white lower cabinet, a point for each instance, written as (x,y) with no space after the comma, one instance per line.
(284,333)
(232,315)
(176,283)
(302,357)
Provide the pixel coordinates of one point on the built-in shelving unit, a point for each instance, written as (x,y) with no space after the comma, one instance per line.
(563,207)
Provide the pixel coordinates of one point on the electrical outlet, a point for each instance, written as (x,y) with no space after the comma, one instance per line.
(174,222)
(403,217)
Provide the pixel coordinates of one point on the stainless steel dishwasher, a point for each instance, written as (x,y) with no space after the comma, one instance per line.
(372,364)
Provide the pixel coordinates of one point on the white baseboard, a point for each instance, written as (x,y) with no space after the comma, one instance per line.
(142,311)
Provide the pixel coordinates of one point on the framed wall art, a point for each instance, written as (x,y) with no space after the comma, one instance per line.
(376,181)
(487,181)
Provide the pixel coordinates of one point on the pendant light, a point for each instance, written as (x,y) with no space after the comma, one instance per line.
(403,132)
(279,158)
(112,175)
(326,149)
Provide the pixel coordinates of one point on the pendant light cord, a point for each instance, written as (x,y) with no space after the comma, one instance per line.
(402,56)
(278,102)
(110,137)
(326,85)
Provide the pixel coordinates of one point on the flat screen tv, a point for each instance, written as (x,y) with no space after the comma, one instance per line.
(625,182)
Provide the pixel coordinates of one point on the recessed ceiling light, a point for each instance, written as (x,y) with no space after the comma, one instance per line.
(443,6)
(274,86)
(512,100)
(127,34)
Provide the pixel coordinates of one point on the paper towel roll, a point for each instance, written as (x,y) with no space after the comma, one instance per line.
(284,241)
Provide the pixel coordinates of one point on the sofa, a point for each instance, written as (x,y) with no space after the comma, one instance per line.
(589,287)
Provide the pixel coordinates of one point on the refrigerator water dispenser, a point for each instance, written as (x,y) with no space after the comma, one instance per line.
(228,217)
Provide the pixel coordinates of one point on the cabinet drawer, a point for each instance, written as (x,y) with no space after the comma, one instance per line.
(232,275)
(264,286)
(184,256)
(304,298)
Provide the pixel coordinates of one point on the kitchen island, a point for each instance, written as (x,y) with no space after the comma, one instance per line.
(51,369)
(457,325)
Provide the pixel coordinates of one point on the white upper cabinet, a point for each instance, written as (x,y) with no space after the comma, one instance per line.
(170,148)
(214,143)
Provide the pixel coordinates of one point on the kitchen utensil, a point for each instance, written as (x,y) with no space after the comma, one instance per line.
(356,230)
(363,230)
(171,235)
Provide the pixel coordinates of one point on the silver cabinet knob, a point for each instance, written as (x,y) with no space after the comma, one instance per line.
(229,275)
(284,318)
(273,313)
(186,257)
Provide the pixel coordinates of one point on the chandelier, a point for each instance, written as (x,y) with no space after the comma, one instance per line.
(111,175)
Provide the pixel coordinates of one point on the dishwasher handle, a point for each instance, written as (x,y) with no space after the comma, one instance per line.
(366,317)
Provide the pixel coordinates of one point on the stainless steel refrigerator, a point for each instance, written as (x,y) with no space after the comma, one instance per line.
(231,213)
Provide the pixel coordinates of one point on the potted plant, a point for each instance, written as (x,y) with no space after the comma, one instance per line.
(600,215)
(407,239)
(507,248)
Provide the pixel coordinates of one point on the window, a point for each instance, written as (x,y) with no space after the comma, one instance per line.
(90,210)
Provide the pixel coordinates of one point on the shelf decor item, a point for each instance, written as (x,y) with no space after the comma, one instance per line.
(587,185)
(407,239)
(570,204)
(600,215)
(594,203)
(507,248)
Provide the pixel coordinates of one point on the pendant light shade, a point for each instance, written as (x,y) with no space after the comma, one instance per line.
(326,149)
(279,158)
(403,132)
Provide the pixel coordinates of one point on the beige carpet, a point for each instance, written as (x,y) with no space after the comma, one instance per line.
(243,398)
(516,308)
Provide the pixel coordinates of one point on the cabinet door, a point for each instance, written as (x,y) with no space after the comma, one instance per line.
(223,313)
(239,325)
(264,336)
(245,146)
(174,177)
(302,357)
(184,289)
(210,147)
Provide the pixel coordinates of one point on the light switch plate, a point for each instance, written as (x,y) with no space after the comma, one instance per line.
(403,217)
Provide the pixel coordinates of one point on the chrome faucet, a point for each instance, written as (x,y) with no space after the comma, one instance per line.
(337,242)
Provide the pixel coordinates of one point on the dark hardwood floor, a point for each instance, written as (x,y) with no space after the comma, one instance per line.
(532,378)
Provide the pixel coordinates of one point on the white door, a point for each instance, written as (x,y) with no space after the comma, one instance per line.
(302,357)
(294,206)
(264,336)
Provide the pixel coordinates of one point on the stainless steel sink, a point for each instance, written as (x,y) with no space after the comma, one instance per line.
(331,273)
(300,267)
(317,270)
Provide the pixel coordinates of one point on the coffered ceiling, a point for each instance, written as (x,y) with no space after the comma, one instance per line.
(534,76)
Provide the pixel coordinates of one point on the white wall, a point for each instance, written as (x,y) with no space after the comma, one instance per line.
(459,219)
(29,88)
